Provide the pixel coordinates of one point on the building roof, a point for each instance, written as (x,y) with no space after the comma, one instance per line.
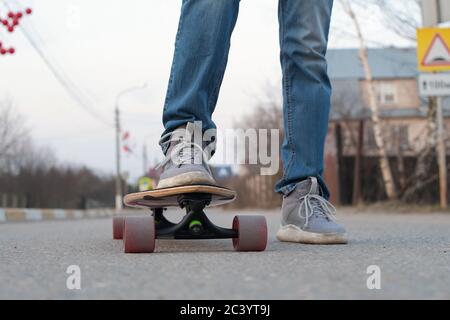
(394,113)
(346,71)
(384,62)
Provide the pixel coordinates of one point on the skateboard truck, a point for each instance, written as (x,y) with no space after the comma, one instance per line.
(139,233)
(194,225)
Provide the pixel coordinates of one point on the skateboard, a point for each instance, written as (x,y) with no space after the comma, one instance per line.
(139,234)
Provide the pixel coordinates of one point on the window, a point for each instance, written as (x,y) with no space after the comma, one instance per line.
(369,136)
(387,93)
(395,135)
(400,136)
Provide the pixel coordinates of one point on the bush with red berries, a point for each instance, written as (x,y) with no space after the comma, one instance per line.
(10,22)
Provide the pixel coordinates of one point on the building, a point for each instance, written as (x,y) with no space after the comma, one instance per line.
(403,112)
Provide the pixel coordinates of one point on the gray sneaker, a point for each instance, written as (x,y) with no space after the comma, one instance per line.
(186,160)
(309,218)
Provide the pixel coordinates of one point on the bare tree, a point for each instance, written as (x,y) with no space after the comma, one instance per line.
(403,18)
(267,114)
(346,105)
(373,104)
(31,176)
(13,134)
(259,189)
(421,177)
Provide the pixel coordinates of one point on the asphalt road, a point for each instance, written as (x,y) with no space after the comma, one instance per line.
(411,250)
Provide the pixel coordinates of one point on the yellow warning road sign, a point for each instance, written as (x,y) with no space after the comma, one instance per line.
(433,49)
(145,184)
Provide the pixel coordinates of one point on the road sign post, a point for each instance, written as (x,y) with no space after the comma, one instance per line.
(442,161)
(435,12)
(433,55)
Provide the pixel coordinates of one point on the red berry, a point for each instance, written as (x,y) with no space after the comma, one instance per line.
(2,51)
(19,15)
(10,14)
(10,29)
(15,22)
(5,22)
(12,50)
(29,11)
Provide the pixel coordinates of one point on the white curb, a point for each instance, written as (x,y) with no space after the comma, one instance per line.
(22,215)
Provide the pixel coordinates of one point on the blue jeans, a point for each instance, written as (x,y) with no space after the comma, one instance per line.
(199,63)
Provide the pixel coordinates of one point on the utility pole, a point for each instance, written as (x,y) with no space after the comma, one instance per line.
(442,161)
(119,180)
(118,169)
(144,159)
(145,165)
(356,198)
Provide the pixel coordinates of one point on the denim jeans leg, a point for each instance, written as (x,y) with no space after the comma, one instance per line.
(304,27)
(199,62)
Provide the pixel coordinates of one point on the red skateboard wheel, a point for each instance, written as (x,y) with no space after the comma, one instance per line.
(139,234)
(252,233)
(118,223)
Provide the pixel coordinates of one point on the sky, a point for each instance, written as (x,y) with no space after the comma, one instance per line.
(107,46)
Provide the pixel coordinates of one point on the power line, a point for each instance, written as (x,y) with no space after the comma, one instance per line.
(68,84)
(73,90)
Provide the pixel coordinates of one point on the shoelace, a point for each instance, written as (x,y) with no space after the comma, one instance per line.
(314,203)
(185,152)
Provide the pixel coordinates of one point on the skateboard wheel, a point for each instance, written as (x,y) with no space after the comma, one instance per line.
(252,233)
(118,223)
(139,234)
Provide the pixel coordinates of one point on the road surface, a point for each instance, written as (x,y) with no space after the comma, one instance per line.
(412,252)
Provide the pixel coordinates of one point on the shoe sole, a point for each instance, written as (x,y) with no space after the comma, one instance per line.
(187,178)
(292,233)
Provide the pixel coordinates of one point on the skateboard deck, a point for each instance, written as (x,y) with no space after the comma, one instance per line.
(169,197)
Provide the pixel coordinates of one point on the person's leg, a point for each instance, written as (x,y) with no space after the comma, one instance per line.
(199,62)
(304,26)
(307,216)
